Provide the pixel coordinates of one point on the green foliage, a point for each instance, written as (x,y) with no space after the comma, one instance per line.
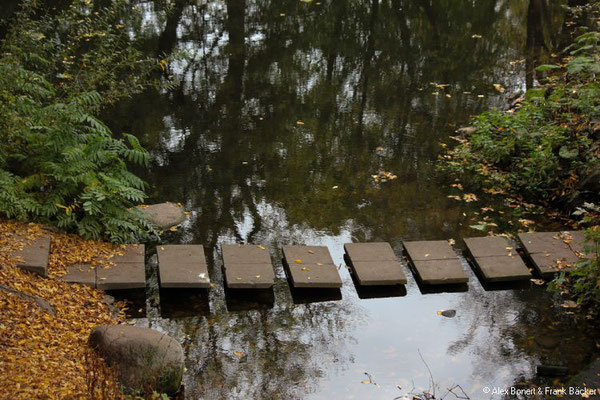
(59,163)
(583,282)
(544,148)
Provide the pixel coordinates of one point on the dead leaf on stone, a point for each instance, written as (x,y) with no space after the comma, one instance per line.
(239,354)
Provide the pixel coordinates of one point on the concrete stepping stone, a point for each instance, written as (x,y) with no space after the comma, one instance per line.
(128,271)
(182,266)
(435,262)
(84,274)
(497,259)
(551,252)
(311,267)
(247,266)
(374,264)
(34,255)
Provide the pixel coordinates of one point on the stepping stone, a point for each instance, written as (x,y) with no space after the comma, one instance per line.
(182,266)
(497,259)
(34,255)
(311,267)
(551,252)
(164,215)
(84,274)
(128,271)
(374,264)
(435,262)
(247,266)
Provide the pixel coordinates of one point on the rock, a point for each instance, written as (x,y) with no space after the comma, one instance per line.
(143,358)
(467,130)
(164,215)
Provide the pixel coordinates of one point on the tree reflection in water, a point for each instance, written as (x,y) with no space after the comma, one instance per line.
(270,134)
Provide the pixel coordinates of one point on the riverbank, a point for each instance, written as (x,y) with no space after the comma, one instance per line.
(545,148)
(43,350)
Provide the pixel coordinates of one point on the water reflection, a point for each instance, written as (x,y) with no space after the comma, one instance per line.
(279,115)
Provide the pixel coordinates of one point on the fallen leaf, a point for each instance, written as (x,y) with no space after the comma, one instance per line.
(298,261)
(447,313)
(569,304)
(239,354)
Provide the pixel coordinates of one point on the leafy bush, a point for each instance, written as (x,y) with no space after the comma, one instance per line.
(59,163)
(544,149)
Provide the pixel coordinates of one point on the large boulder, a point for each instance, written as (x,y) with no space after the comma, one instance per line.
(143,358)
(164,215)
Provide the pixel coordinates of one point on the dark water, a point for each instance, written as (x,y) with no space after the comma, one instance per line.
(280,113)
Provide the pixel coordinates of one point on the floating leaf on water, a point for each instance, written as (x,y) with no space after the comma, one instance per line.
(476,36)
(479,227)
(335,187)
(299,122)
(447,313)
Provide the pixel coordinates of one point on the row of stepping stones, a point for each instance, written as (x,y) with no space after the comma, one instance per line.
(372,264)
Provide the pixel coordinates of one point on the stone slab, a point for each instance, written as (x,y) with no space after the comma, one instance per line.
(374,264)
(34,255)
(84,274)
(164,215)
(128,271)
(542,242)
(121,276)
(182,266)
(247,266)
(245,254)
(429,250)
(548,264)
(311,267)
(130,253)
(579,241)
(440,272)
(377,251)
(378,273)
(553,251)
(249,276)
(502,268)
(490,246)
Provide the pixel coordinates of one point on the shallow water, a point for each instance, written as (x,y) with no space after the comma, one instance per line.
(280,114)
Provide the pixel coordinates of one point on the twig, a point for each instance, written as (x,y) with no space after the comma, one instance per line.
(432,382)
(43,304)
(464,395)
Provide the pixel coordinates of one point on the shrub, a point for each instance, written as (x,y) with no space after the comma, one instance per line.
(59,163)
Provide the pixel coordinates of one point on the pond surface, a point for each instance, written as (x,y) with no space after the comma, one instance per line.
(279,115)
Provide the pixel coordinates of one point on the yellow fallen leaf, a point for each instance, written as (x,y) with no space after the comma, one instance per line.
(173,228)
(262,247)
(365,382)
(298,261)
(239,354)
